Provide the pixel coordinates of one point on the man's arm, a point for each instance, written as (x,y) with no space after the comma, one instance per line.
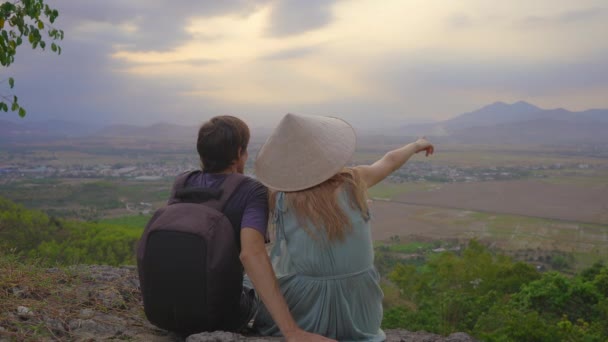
(375,173)
(259,269)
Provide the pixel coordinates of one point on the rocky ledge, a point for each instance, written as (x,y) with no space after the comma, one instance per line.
(93,303)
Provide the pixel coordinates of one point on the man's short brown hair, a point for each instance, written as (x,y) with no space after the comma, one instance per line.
(219,141)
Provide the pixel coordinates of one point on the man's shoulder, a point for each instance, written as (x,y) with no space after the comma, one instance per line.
(197,177)
(252,181)
(253,185)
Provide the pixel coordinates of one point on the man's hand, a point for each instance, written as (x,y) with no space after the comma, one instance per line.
(424,145)
(304,336)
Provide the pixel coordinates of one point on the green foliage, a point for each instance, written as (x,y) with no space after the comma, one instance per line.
(88,200)
(411,247)
(20,20)
(505,323)
(561,262)
(134,221)
(35,235)
(556,295)
(497,299)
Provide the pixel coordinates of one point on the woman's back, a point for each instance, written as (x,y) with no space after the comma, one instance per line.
(331,287)
(317,256)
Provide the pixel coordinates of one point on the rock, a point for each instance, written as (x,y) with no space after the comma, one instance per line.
(102,327)
(20,292)
(55,325)
(3,337)
(134,282)
(109,297)
(459,337)
(24,312)
(400,335)
(86,313)
(397,335)
(221,336)
(214,336)
(102,302)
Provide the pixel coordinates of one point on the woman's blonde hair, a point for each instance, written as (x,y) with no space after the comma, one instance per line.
(319,207)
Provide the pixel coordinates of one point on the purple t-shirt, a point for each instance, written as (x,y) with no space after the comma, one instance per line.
(248,204)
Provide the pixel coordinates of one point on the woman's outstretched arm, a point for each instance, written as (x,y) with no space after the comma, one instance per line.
(373,174)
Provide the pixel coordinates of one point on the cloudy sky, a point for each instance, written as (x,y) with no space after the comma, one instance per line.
(369,61)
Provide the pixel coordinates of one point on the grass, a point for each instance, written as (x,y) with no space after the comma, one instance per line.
(588,242)
(57,298)
(511,233)
(411,247)
(25,283)
(100,195)
(134,222)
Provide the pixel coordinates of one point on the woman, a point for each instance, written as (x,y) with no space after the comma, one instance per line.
(323,252)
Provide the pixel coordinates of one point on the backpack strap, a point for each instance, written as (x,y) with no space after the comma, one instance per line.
(214,198)
(179,184)
(229,186)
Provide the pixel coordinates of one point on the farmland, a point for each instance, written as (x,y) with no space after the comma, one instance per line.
(530,202)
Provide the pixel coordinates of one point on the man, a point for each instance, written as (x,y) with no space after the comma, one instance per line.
(222,148)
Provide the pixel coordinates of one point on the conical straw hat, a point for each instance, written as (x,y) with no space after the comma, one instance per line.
(304,151)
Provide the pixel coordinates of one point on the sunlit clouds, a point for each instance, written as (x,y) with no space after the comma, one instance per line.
(398,60)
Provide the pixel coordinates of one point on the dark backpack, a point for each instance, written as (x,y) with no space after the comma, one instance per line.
(190,274)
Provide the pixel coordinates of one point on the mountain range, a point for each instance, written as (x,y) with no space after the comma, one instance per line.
(499,122)
(519,122)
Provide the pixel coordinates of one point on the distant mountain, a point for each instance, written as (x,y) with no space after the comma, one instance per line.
(500,113)
(42,130)
(61,128)
(538,131)
(159,131)
(496,113)
(499,122)
(518,122)
(594,115)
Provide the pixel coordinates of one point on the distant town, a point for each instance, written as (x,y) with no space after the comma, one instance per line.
(411,172)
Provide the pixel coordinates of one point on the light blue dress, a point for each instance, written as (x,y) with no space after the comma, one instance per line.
(331,288)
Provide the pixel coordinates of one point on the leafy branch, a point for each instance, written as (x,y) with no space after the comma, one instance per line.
(21,20)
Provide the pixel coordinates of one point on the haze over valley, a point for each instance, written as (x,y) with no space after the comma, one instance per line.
(514,175)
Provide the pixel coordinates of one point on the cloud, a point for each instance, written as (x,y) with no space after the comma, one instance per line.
(459,21)
(579,16)
(477,73)
(141,61)
(292,17)
(157,25)
(290,53)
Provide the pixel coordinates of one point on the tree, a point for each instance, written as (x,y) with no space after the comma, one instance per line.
(19,20)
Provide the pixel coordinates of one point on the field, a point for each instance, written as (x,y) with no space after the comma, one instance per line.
(554,200)
(562,207)
(560,201)
(388,191)
(87,198)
